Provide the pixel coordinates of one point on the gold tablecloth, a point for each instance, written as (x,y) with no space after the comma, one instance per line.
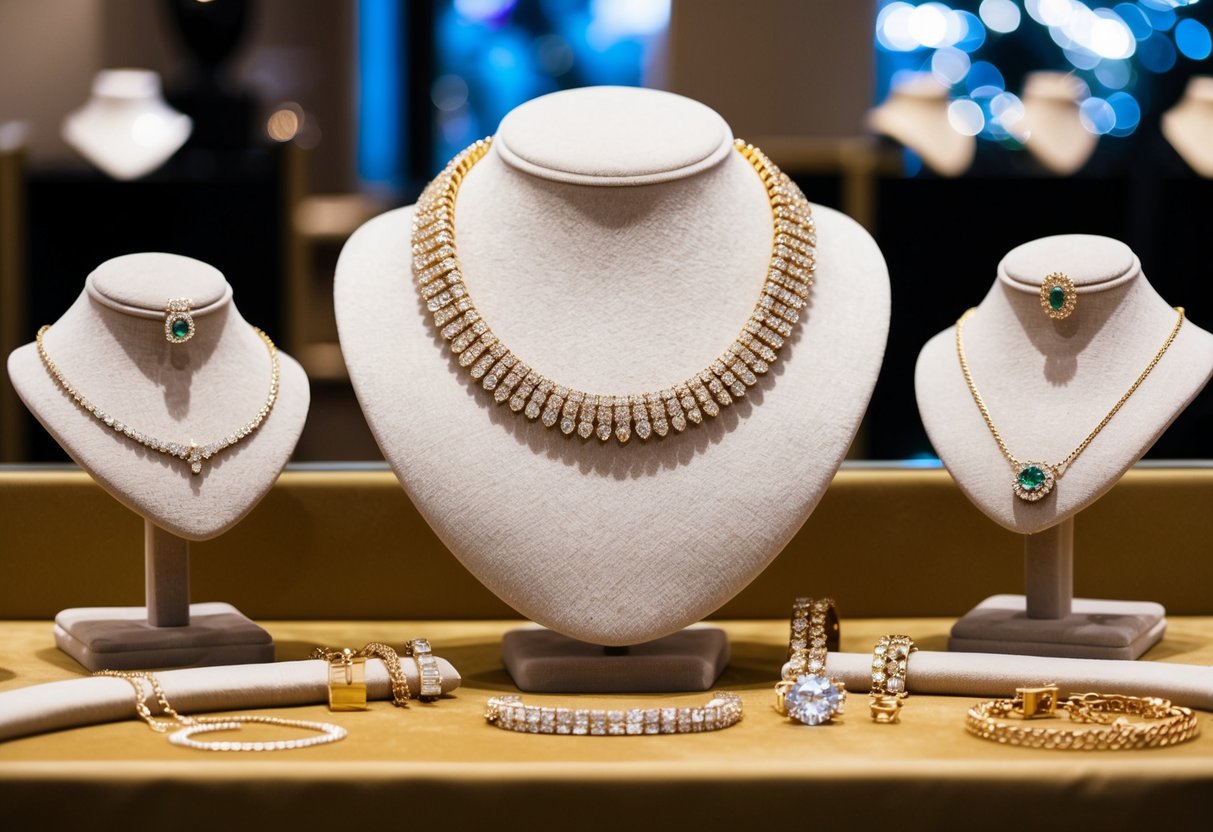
(440,766)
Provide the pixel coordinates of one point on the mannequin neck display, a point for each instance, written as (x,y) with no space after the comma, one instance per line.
(1072,371)
(1047,384)
(616,242)
(916,116)
(1188,126)
(1055,135)
(110,345)
(126,129)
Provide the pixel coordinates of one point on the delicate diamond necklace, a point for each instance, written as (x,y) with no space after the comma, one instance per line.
(784,291)
(1034,480)
(191,453)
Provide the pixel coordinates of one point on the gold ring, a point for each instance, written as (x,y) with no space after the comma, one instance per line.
(889,660)
(805,693)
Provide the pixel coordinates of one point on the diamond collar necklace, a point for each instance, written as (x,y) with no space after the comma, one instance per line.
(192,453)
(1033,480)
(785,288)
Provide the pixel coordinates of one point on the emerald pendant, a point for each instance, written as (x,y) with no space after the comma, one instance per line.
(179,320)
(1033,480)
(1058,296)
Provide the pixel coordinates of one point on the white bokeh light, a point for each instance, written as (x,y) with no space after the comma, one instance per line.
(966,117)
(1000,15)
(950,65)
(929,24)
(893,28)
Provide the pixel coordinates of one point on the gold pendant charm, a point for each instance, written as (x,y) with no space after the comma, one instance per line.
(1033,480)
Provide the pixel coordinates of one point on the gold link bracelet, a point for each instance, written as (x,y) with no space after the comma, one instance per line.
(1161,722)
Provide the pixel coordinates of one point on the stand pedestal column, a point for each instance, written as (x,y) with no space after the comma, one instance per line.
(543,661)
(169,631)
(1049,621)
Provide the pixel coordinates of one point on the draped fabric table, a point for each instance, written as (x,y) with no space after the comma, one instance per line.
(440,764)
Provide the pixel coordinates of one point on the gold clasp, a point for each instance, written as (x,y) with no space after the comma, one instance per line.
(1036,702)
(885,709)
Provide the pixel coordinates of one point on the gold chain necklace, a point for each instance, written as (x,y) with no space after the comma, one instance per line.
(185,727)
(1034,480)
(192,453)
(785,289)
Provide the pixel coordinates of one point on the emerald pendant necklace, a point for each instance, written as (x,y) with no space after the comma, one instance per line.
(1034,480)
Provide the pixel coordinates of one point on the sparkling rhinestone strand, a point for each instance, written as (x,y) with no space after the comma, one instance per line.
(191,453)
(784,294)
(510,714)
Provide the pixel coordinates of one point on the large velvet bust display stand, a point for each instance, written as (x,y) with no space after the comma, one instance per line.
(1047,384)
(110,345)
(615,241)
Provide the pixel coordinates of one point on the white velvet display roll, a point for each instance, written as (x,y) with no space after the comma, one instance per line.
(110,345)
(998,675)
(1048,383)
(623,256)
(88,701)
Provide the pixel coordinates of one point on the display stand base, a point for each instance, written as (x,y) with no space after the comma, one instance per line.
(1094,629)
(120,638)
(542,661)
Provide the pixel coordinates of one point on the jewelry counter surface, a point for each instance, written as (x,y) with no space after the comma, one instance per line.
(440,763)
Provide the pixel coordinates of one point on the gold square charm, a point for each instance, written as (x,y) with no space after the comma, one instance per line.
(347,683)
(1037,702)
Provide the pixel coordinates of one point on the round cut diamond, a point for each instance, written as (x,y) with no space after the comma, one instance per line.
(814,700)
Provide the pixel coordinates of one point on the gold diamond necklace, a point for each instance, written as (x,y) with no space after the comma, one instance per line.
(191,453)
(785,289)
(1034,480)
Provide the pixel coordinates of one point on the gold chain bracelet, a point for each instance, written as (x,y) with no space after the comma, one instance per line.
(1162,723)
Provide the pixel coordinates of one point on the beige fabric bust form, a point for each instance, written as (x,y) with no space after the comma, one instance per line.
(200,390)
(1048,383)
(616,242)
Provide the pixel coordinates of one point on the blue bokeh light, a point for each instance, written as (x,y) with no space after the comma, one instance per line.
(1193,40)
(1115,75)
(1097,115)
(381,133)
(984,74)
(1161,17)
(974,32)
(1156,53)
(1127,112)
(1135,19)
(1111,46)
(505,52)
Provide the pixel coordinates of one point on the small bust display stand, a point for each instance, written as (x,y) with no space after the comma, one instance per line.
(617,242)
(112,347)
(1072,371)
